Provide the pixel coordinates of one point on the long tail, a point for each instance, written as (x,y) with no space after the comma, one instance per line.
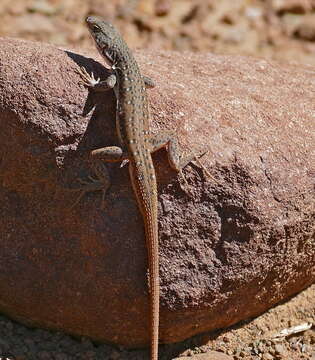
(146,194)
(153,258)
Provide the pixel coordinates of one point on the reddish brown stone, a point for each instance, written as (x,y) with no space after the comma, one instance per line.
(230,248)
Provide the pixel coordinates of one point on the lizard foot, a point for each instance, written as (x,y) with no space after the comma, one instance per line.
(197,159)
(97,84)
(88,80)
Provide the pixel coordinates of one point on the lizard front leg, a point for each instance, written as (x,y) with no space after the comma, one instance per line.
(97,84)
(107,84)
(101,181)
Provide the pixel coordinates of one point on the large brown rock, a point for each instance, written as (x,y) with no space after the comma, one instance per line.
(230,247)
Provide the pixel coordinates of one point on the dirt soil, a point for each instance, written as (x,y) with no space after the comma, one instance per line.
(278,29)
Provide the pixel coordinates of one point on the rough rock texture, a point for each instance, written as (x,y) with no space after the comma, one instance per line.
(230,247)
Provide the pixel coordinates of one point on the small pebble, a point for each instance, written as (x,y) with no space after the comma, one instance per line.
(226,339)
(204,348)
(189,353)
(261,347)
(279,349)
(267,356)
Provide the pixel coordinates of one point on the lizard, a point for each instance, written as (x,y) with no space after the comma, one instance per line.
(136,145)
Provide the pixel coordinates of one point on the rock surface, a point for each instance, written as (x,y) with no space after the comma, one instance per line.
(230,247)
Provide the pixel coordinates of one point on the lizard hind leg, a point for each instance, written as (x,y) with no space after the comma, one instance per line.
(176,159)
(99,182)
(99,157)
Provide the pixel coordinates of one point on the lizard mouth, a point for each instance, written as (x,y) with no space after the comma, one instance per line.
(107,57)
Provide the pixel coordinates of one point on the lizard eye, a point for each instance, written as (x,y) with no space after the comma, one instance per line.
(96,28)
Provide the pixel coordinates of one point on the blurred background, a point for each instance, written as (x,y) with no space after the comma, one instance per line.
(277,29)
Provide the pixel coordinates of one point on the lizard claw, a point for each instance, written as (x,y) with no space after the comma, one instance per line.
(96,83)
(124,162)
(197,159)
(88,80)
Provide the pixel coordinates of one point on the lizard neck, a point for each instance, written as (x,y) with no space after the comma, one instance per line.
(132,105)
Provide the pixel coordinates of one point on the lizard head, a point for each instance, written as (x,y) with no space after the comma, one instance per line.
(108,40)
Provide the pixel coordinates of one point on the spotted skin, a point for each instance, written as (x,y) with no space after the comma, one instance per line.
(136,145)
